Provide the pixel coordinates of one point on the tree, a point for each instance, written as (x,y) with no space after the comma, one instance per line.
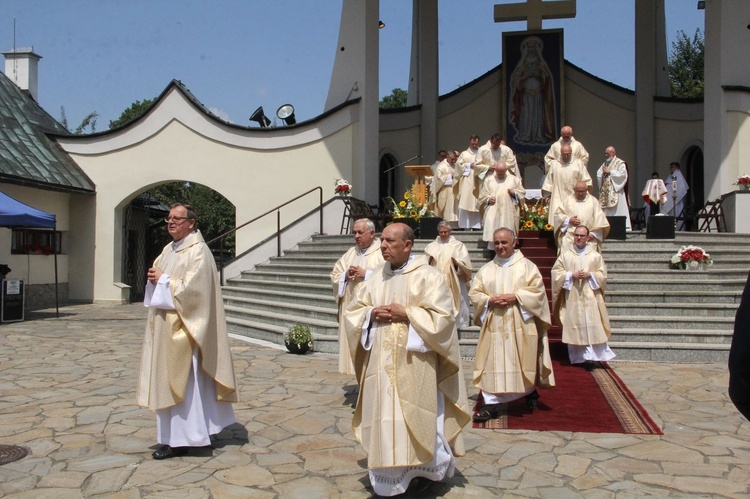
(686,65)
(396,100)
(88,120)
(135,110)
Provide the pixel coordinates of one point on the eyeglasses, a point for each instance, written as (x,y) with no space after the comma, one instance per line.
(176,220)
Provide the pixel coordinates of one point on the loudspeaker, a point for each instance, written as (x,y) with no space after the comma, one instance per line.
(616,228)
(660,227)
(260,117)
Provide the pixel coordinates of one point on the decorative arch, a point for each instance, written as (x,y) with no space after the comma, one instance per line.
(387,176)
(692,161)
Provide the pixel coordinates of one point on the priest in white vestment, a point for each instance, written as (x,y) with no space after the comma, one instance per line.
(579,278)
(612,177)
(510,305)
(501,196)
(412,399)
(348,274)
(186,374)
(442,189)
(677,188)
(580,209)
(492,152)
(555,151)
(468,176)
(562,177)
(451,257)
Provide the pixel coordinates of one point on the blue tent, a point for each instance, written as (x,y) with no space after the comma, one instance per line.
(16,214)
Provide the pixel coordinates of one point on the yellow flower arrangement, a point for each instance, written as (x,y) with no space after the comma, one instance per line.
(535,216)
(408,208)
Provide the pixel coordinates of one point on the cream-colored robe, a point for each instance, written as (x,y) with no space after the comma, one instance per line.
(589,213)
(371,259)
(581,309)
(396,415)
(488,157)
(440,255)
(198,320)
(513,353)
(561,179)
(445,198)
(506,211)
(612,196)
(576,149)
(468,186)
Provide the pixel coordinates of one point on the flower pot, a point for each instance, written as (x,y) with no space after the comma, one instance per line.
(299,349)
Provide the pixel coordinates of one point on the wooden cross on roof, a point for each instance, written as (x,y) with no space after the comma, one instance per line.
(533,11)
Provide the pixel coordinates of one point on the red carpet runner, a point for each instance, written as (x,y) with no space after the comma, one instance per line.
(594,402)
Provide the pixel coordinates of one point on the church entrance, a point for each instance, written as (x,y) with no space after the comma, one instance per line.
(693,161)
(386,179)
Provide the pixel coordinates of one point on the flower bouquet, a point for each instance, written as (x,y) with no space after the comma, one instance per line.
(743,181)
(342,187)
(535,216)
(408,208)
(691,257)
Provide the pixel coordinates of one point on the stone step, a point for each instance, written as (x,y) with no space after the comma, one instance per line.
(704,336)
(284,321)
(672,309)
(284,309)
(667,285)
(283,286)
(327,343)
(671,352)
(673,297)
(664,323)
(283,268)
(300,277)
(321,300)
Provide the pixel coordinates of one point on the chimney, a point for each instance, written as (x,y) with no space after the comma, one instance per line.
(22,68)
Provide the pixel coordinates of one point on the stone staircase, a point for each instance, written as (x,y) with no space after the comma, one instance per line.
(657,314)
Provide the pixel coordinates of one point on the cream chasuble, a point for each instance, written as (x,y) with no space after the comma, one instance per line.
(576,149)
(589,213)
(579,304)
(488,157)
(560,181)
(440,255)
(198,320)
(345,291)
(506,211)
(397,410)
(442,187)
(468,180)
(513,350)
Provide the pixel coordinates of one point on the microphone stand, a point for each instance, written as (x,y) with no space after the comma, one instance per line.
(403,163)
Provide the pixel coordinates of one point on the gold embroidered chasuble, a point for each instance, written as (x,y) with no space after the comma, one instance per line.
(512,353)
(581,309)
(468,186)
(445,199)
(440,256)
(505,212)
(396,415)
(371,259)
(560,181)
(588,212)
(198,320)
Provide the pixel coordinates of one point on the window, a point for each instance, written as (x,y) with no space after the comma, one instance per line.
(35,242)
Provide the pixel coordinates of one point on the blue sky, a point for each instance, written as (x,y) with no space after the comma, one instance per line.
(236,55)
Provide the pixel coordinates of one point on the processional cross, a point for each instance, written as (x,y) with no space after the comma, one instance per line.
(533,11)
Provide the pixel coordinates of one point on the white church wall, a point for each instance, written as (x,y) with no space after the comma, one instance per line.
(255,174)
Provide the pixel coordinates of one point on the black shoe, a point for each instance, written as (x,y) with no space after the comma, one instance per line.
(418,485)
(487,412)
(589,365)
(167,452)
(532,400)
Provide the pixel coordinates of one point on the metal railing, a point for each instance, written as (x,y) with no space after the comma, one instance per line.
(277,209)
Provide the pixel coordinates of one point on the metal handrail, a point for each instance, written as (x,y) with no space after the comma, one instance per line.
(277,209)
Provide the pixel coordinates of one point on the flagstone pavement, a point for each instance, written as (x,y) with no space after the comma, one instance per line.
(67,393)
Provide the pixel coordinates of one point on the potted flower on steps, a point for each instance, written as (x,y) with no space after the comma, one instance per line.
(298,339)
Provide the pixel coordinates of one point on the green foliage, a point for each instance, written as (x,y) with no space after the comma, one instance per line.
(216,214)
(299,335)
(135,110)
(396,100)
(686,65)
(88,121)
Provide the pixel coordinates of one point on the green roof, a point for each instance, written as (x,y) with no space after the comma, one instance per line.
(28,156)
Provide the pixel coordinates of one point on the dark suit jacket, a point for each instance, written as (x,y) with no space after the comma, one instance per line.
(739,356)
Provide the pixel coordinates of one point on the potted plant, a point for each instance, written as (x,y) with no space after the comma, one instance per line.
(342,187)
(298,339)
(412,213)
(535,216)
(691,258)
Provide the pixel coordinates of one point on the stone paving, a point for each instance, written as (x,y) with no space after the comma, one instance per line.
(67,392)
